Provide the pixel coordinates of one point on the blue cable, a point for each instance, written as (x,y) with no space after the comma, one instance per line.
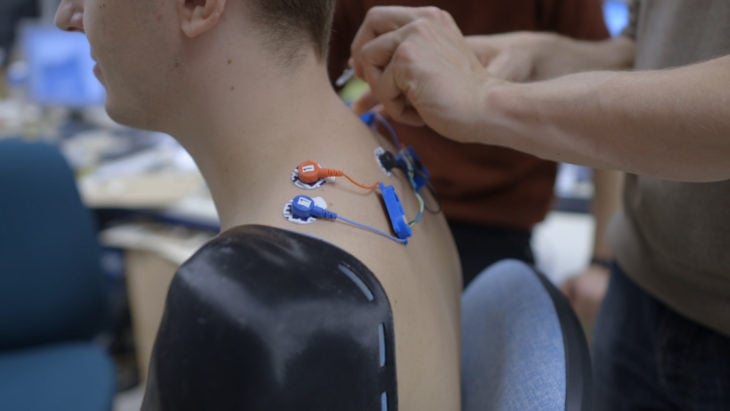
(408,159)
(303,207)
(421,209)
(372,229)
(389,128)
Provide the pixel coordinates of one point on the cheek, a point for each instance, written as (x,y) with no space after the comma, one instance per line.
(102,21)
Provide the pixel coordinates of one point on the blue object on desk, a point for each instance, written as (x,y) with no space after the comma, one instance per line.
(60,68)
(52,299)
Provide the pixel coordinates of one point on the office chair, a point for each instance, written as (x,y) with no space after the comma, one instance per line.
(522,346)
(51,290)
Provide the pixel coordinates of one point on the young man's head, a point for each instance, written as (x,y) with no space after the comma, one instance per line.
(149,51)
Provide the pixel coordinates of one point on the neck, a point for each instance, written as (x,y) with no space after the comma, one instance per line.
(250,137)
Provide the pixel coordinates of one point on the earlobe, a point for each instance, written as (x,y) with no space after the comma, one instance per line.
(199,16)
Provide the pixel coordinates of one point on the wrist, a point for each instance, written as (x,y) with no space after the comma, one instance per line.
(499,116)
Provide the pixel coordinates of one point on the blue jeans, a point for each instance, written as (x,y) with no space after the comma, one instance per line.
(648,357)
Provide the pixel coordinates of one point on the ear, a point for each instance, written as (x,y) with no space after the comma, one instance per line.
(199,16)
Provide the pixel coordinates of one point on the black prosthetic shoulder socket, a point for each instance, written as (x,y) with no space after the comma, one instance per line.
(266,319)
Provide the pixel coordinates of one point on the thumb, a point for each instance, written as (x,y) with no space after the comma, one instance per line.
(365,103)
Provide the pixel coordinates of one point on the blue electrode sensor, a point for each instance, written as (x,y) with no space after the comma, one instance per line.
(395,212)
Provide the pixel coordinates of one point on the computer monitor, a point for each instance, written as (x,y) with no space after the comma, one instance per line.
(60,67)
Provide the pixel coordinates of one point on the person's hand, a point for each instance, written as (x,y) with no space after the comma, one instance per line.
(421,69)
(367,102)
(521,56)
(586,291)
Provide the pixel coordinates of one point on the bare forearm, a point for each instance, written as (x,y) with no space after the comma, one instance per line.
(672,124)
(531,56)
(565,55)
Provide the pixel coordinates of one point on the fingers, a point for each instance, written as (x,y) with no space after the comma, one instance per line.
(378,21)
(385,19)
(376,55)
(409,57)
(394,97)
(405,113)
(366,102)
(383,62)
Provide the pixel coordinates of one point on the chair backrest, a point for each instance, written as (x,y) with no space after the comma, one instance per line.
(522,346)
(51,286)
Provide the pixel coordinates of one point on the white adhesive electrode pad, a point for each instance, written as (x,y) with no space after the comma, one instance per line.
(378,153)
(305,186)
(287,212)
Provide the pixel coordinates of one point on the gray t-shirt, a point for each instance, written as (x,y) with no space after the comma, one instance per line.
(673,238)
